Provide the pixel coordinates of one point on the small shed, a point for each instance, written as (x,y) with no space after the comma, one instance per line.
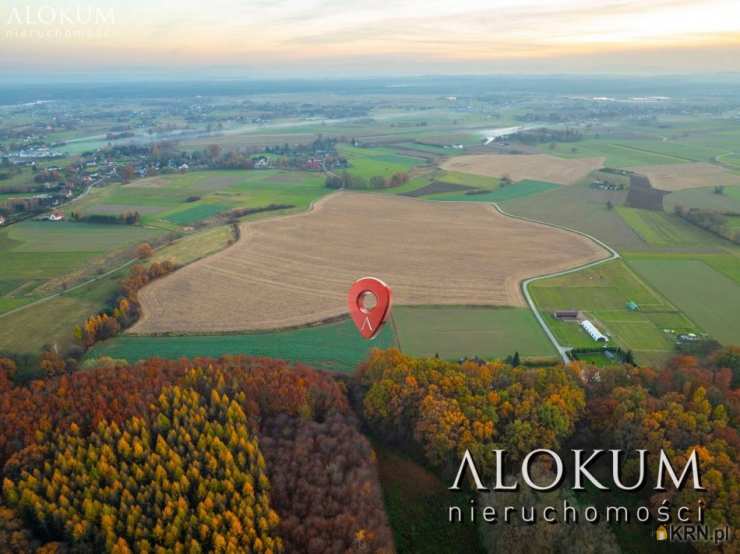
(566,315)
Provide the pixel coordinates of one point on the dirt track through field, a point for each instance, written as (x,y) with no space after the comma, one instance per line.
(297,269)
(539,167)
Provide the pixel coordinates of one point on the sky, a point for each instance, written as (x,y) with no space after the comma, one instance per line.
(275,38)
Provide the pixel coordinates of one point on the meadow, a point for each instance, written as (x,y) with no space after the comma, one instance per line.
(52,321)
(618,154)
(601,293)
(69,236)
(467,179)
(453,332)
(195,246)
(371,162)
(197,213)
(36,252)
(705,198)
(519,189)
(660,229)
(332,347)
(182,199)
(676,141)
(709,298)
(582,208)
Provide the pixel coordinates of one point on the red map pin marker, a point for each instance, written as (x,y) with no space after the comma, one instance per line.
(369,303)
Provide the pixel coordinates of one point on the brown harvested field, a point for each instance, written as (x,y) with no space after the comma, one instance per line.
(539,167)
(672,177)
(297,269)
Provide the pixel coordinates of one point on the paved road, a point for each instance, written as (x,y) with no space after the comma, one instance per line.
(613,255)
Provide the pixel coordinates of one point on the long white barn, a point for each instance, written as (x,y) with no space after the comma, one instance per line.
(591,329)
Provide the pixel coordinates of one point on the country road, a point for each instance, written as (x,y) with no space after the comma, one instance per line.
(70,289)
(613,255)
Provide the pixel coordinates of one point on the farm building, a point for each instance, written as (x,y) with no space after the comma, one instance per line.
(591,329)
(567,315)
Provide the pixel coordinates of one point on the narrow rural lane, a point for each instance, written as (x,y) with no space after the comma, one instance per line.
(70,289)
(613,255)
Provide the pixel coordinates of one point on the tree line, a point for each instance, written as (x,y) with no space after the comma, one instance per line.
(125,218)
(346,180)
(105,325)
(714,221)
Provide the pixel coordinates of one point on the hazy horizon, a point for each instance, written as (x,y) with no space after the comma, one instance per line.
(325,38)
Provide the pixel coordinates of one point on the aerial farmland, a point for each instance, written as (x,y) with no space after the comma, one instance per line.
(314,257)
(248,210)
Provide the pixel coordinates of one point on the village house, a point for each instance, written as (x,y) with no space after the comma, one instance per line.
(261,162)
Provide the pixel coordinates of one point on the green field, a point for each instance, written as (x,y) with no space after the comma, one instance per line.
(705,198)
(196,213)
(68,236)
(53,321)
(601,293)
(582,208)
(333,347)
(731,160)
(519,189)
(194,246)
(706,296)
(36,251)
(371,162)
(426,148)
(727,263)
(415,501)
(618,154)
(661,229)
(455,331)
(654,148)
(477,181)
(168,200)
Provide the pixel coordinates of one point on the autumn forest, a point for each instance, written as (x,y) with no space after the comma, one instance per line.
(243,454)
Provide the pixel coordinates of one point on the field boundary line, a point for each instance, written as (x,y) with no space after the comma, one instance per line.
(613,255)
(70,289)
(654,153)
(636,274)
(128,263)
